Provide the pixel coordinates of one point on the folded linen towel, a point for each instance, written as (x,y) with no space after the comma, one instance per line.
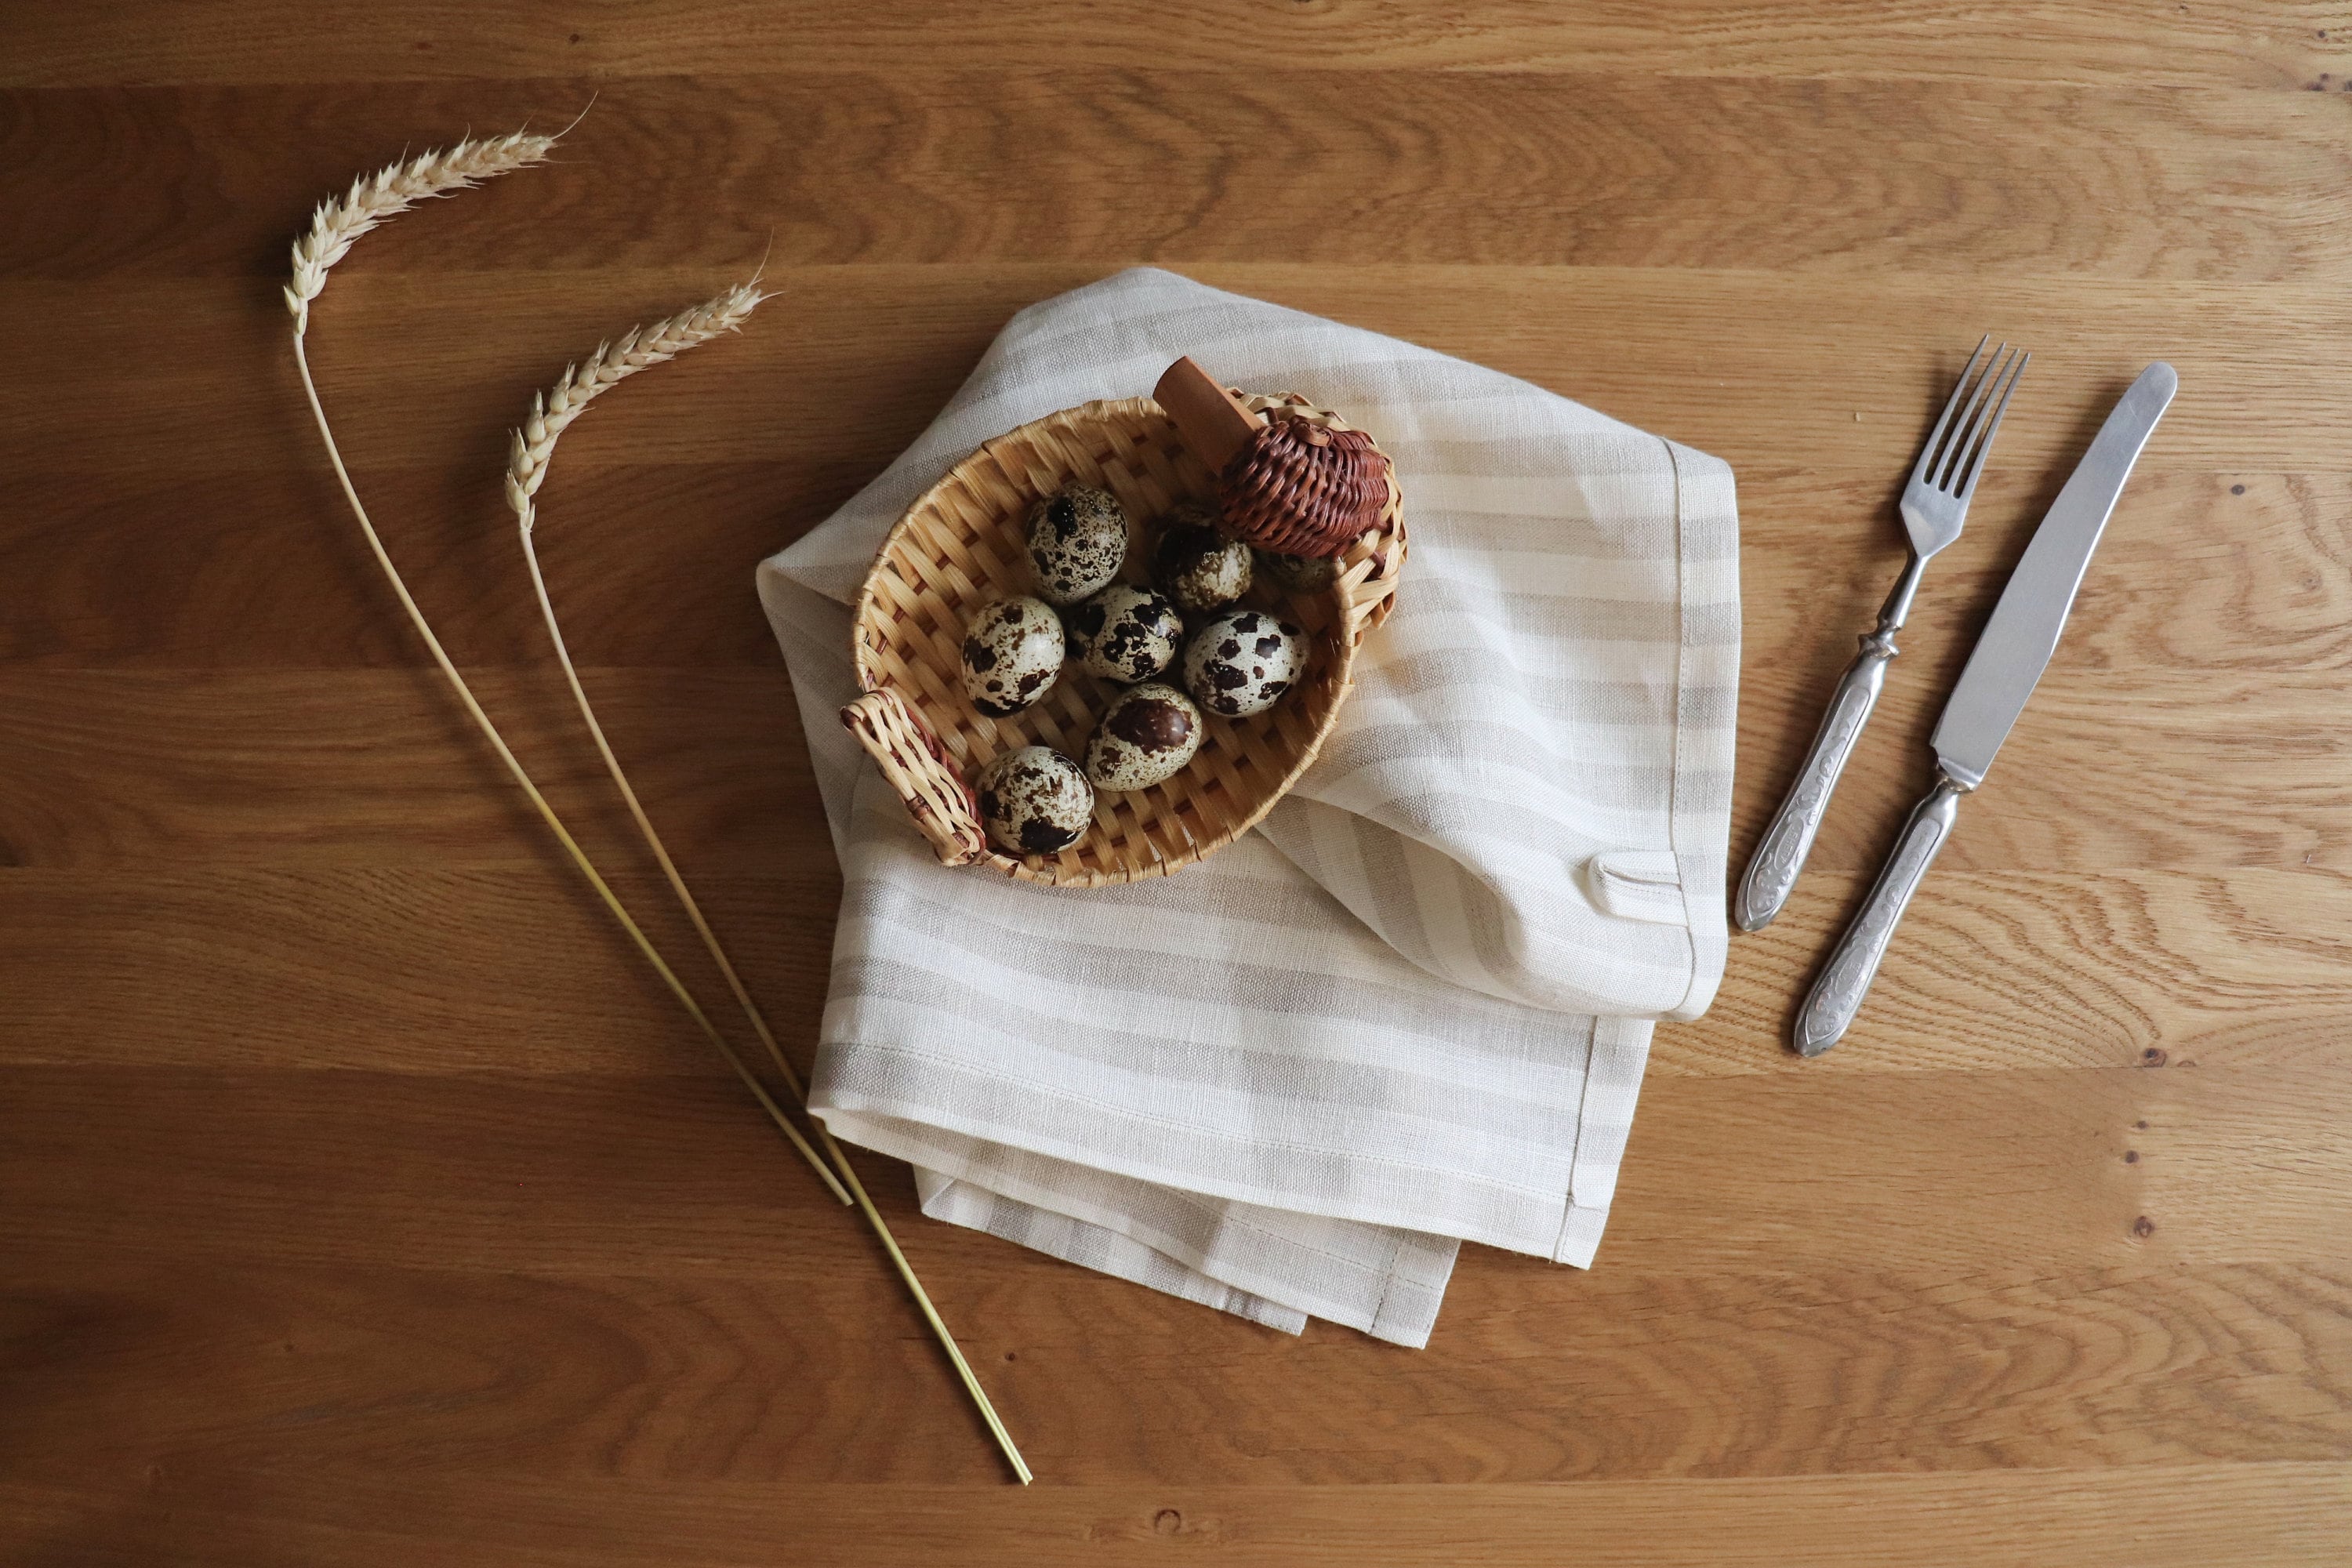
(1414,1007)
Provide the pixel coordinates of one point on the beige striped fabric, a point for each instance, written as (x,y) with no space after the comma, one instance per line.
(1413,1008)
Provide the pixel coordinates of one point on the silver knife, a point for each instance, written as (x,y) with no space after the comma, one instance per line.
(2008,659)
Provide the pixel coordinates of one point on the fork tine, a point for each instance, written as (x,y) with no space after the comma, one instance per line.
(1947,461)
(1966,448)
(1975,470)
(1934,437)
(1947,467)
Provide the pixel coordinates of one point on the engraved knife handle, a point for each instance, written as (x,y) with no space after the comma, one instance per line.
(1844,981)
(1781,853)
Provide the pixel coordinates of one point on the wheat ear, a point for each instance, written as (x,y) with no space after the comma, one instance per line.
(333,227)
(391,191)
(529,454)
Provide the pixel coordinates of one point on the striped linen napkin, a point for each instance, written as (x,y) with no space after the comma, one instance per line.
(1413,1008)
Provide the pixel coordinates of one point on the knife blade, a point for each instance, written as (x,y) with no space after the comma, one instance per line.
(2007,662)
(2015,647)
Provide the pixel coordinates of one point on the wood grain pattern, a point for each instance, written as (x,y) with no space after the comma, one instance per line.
(2290,46)
(2003,179)
(2284,1512)
(360,1200)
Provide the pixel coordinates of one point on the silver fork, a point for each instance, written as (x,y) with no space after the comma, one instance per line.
(1935,504)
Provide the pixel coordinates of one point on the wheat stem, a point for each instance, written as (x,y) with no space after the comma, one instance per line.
(333,227)
(547,813)
(529,453)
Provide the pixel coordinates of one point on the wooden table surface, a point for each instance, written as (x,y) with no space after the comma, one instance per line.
(364,1201)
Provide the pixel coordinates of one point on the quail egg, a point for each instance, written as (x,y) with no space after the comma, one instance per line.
(1125,633)
(1299,574)
(1035,801)
(1077,542)
(1012,654)
(1197,566)
(1148,734)
(1242,662)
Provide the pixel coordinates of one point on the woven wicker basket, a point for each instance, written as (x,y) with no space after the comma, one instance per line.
(961,545)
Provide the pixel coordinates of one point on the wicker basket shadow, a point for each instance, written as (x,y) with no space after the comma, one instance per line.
(960,545)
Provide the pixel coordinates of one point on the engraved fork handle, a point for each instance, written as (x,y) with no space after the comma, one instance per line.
(1844,981)
(1781,854)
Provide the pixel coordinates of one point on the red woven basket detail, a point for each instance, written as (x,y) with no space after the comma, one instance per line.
(1303,488)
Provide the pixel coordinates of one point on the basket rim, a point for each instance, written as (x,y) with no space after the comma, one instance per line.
(1346,632)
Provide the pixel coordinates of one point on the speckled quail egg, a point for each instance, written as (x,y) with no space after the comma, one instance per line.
(1035,801)
(1197,566)
(1148,734)
(1077,542)
(1299,574)
(1012,654)
(1125,633)
(1242,662)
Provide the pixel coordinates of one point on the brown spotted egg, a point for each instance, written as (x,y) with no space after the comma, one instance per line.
(1077,542)
(1197,566)
(1125,633)
(1012,654)
(1299,574)
(1035,801)
(1242,662)
(1146,735)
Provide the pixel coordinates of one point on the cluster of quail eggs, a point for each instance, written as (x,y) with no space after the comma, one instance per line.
(1183,646)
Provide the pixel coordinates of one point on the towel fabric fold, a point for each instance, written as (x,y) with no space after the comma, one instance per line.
(1413,1008)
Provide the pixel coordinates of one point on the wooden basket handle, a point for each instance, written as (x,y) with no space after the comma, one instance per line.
(920,769)
(1210,419)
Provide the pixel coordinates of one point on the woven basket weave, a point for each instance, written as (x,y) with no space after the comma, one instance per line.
(1301,489)
(961,545)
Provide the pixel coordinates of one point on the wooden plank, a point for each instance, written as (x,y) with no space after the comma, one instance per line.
(2275,46)
(427,372)
(2049,968)
(406,968)
(426,968)
(1971,179)
(289,767)
(616,540)
(1890,1170)
(811,1371)
(2264,1516)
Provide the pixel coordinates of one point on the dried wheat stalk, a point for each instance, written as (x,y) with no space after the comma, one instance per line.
(391,191)
(333,227)
(640,348)
(529,454)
